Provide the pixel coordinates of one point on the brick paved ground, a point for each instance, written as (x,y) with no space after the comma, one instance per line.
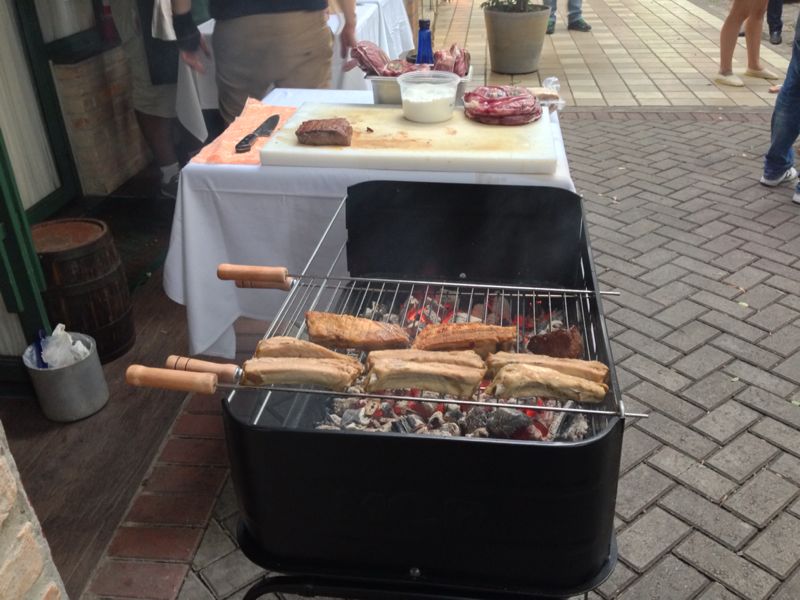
(706,338)
(639,53)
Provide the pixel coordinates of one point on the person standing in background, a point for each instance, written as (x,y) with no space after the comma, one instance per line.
(153,83)
(785,127)
(263,43)
(751,13)
(774,21)
(574,16)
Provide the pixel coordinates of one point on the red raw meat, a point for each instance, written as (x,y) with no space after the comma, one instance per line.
(369,57)
(502,105)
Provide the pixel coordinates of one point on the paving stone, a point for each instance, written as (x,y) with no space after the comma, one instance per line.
(666,403)
(717,592)
(770,404)
(742,457)
(702,361)
(226,503)
(619,352)
(795,508)
(726,421)
(620,577)
(745,277)
(670,579)
(691,336)
(647,346)
(639,488)
(655,258)
(787,284)
(664,274)
(716,288)
(773,317)
(790,590)
(707,517)
(655,372)
(193,589)
(672,292)
(759,377)
(761,498)
(735,260)
(634,320)
(640,304)
(677,435)
(729,307)
(626,379)
(721,564)
(779,434)
(650,536)
(701,268)
(636,445)
(214,545)
(790,368)
(777,548)
(760,296)
(786,465)
(785,341)
(690,472)
(681,313)
(746,351)
(733,326)
(230,573)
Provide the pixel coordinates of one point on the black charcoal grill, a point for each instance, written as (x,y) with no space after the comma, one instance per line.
(357,514)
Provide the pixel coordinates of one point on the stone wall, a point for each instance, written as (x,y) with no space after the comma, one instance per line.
(26,566)
(95,97)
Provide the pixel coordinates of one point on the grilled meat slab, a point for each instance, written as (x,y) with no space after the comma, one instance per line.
(480,337)
(456,380)
(289,347)
(463,358)
(344,331)
(585,369)
(325,132)
(523,381)
(562,343)
(329,373)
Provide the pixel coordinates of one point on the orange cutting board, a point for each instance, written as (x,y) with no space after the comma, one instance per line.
(383,139)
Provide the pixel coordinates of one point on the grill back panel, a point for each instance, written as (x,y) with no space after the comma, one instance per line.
(491,233)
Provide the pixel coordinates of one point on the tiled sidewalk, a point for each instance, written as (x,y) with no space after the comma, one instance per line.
(639,53)
(706,338)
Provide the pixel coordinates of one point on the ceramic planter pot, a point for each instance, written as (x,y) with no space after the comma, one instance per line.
(516,38)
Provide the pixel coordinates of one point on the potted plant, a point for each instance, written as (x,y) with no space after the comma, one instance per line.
(515,30)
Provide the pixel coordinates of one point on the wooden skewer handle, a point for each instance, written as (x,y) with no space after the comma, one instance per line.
(226,372)
(252,273)
(182,381)
(270,285)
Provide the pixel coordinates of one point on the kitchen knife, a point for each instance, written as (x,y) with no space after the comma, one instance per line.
(264,130)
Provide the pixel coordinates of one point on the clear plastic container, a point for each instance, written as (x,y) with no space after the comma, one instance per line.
(428,96)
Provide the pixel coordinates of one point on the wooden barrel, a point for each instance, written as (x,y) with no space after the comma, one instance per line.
(86,285)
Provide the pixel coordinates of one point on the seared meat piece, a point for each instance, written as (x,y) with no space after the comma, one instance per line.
(344,331)
(561,343)
(524,381)
(479,337)
(586,369)
(456,380)
(329,373)
(502,105)
(325,132)
(289,347)
(465,358)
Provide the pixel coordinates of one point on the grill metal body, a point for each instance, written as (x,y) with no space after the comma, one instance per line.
(486,517)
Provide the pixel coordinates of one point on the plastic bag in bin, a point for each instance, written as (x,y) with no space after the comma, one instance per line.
(60,350)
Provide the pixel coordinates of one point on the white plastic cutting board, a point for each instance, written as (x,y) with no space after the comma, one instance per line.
(395,143)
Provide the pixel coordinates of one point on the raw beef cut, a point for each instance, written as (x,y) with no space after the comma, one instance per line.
(369,57)
(502,105)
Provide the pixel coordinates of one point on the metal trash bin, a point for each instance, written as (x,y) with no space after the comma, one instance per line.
(73,392)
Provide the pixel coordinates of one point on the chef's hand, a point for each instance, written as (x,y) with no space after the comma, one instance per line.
(194,58)
(348,36)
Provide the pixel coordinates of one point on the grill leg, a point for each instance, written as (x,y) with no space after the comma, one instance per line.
(259,589)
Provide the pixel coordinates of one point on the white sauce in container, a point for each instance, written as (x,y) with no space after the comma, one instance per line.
(428,102)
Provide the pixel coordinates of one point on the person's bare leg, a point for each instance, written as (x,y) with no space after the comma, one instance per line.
(157,132)
(729,33)
(752,33)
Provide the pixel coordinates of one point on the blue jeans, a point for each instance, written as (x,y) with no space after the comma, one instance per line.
(785,119)
(573,9)
(774,13)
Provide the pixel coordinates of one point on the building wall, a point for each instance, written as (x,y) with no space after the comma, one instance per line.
(26,566)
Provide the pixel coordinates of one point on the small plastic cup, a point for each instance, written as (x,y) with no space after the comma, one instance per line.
(428,96)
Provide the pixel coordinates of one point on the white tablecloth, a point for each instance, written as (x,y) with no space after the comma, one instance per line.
(383,22)
(272,216)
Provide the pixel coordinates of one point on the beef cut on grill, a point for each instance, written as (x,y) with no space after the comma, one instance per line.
(325,132)
(520,504)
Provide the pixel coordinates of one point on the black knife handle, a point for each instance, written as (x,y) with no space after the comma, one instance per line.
(245,143)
